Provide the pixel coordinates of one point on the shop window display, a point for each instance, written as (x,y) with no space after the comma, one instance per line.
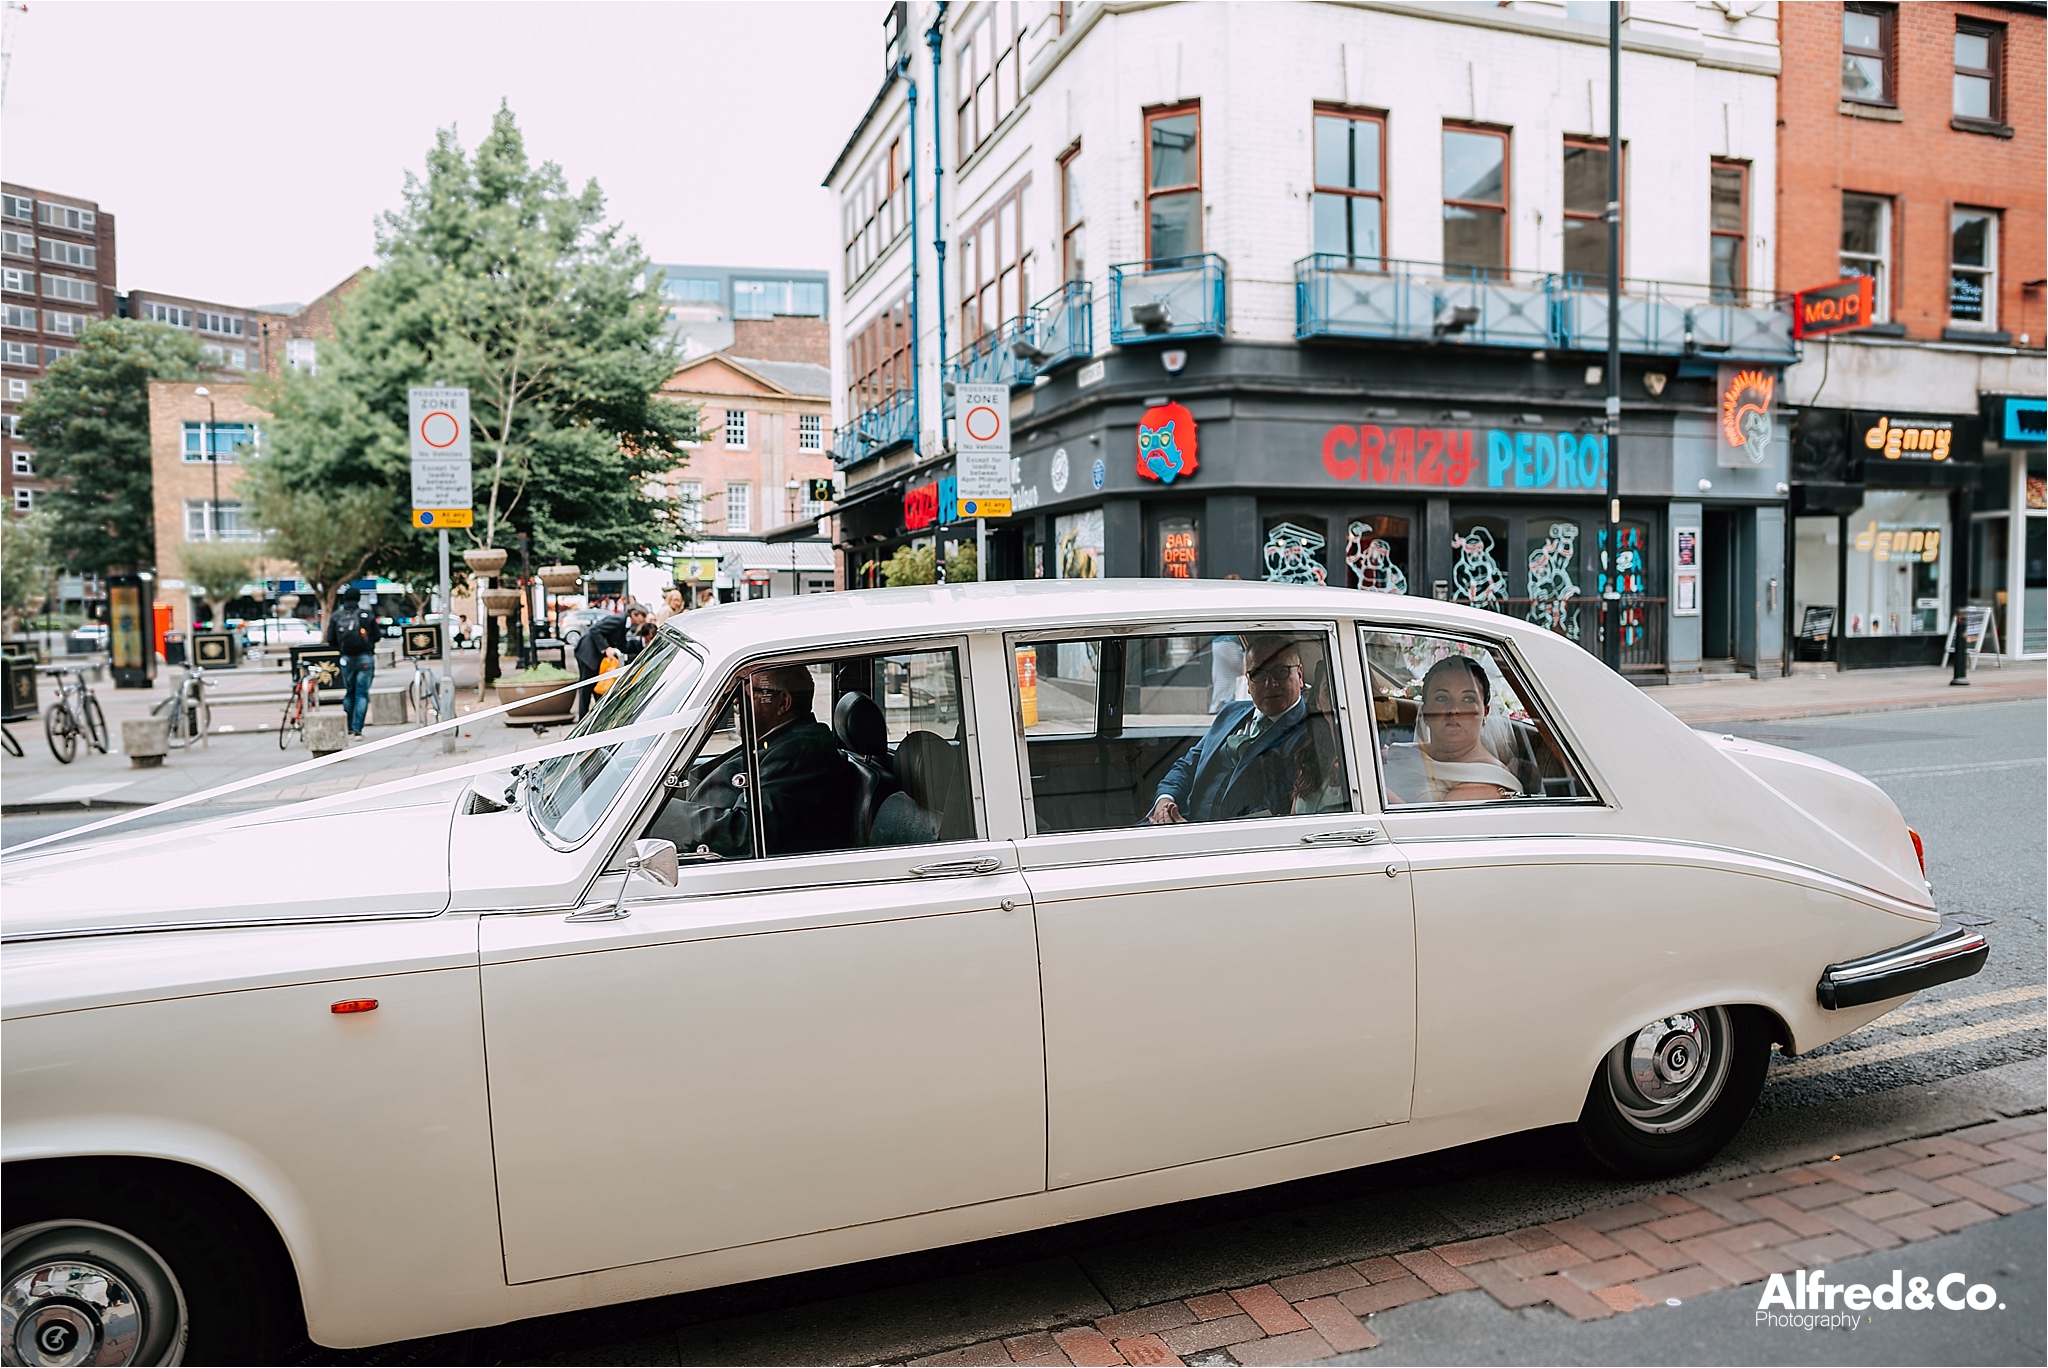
(1376,553)
(1294,554)
(1897,561)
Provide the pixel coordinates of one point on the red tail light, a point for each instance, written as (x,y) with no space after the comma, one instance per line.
(1919,850)
(348,1005)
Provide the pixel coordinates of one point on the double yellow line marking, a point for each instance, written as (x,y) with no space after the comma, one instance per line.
(1995,1029)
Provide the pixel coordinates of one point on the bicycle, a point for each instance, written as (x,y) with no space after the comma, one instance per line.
(191,714)
(74,713)
(423,695)
(305,698)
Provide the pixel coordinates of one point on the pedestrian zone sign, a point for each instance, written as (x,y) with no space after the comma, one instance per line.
(982,445)
(439,429)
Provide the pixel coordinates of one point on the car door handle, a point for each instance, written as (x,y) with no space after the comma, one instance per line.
(1359,836)
(943,868)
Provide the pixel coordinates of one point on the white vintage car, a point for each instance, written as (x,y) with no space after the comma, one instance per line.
(859,924)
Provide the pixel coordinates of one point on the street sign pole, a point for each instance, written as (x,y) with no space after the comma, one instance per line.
(981,471)
(444,690)
(442,498)
(1610,599)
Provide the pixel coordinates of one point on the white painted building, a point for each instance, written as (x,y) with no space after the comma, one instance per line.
(1309,169)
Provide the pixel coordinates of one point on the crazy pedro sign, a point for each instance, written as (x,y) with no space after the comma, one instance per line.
(1166,443)
(1465,458)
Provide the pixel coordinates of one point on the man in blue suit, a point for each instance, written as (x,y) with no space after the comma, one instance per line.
(1244,765)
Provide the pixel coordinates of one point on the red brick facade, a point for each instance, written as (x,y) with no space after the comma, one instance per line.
(785,337)
(1911,152)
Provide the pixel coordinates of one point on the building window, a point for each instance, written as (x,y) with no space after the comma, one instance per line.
(225,523)
(229,439)
(989,64)
(1979,53)
(24,462)
(878,360)
(1585,208)
(1728,222)
(767,298)
(168,313)
(1867,247)
(806,506)
(10,424)
(52,355)
(71,254)
(1973,268)
(24,501)
(1348,211)
(302,354)
(64,216)
(227,358)
(17,354)
(1173,182)
(226,324)
(690,493)
(17,390)
(1476,197)
(739,508)
(692,290)
(65,287)
(1867,53)
(810,432)
(17,244)
(18,317)
(995,268)
(1073,220)
(876,207)
(21,282)
(66,324)
(18,207)
(736,428)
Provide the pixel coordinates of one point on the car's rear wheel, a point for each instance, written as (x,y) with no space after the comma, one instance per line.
(1667,1098)
(123,1272)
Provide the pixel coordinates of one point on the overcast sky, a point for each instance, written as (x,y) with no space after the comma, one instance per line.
(246,148)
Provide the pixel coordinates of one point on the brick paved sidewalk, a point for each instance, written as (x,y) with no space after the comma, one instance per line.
(1605,1263)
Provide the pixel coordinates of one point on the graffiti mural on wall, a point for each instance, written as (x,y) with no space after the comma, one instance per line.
(1628,580)
(1553,582)
(1294,555)
(1371,560)
(1476,578)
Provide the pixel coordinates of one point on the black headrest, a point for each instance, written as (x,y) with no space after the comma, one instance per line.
(859,724)
(925,767)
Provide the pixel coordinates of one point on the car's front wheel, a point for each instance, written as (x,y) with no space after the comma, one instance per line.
(1667,1098)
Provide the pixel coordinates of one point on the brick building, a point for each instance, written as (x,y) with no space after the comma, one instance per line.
(58,254)
(264,340)
(1910,146)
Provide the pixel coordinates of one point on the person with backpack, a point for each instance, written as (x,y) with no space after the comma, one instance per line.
(353,631)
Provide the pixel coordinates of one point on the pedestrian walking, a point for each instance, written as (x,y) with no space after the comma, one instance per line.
(354,631)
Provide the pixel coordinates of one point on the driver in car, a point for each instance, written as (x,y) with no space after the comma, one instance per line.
(809,791)
(1244,766)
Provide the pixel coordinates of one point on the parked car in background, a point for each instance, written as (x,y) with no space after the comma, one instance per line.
(1328,879)
(278,635)
(576,622)
(86,639)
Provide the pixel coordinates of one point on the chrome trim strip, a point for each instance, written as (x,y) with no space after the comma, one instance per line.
(245,924)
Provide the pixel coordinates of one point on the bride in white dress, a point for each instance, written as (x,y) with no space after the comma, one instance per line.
(1448,761)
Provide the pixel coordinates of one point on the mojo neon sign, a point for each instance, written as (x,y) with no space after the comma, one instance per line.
(1832,308)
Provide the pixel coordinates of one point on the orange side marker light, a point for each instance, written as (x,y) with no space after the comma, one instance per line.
(347,1005)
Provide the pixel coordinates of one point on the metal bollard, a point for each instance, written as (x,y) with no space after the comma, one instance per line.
(444,710)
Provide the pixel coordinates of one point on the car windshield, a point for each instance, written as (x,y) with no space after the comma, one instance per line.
(567,795)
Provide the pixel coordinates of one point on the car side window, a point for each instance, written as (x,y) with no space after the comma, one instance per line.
(1189,726)
(1456,724)
(840,752)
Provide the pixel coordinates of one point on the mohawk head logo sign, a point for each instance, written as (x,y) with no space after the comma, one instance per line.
(1166,443)
(1746,412)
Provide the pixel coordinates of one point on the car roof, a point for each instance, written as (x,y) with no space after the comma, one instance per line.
(1014,605)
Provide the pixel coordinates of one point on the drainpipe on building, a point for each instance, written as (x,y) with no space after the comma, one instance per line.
(935,39)
(916,375)
(1610,606)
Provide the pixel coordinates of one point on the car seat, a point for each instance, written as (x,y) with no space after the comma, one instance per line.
(932,802)
(864,739)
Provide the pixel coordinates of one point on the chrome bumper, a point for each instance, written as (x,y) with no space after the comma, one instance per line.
(1954,952)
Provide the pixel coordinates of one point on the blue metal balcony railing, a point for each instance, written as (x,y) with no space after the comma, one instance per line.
(1416,301)
(1056,330)
(1166,298)
(874,430)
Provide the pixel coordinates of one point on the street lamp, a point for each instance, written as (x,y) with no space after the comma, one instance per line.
(212,459)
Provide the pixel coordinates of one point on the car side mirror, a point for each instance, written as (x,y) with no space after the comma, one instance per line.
(657,860)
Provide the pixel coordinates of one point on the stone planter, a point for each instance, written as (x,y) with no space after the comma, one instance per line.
(485,560)
(501,602)
(146,740)
(561,579)
(560,709)
(326,732)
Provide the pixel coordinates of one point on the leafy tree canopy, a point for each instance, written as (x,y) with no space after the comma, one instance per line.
(89,420)
(495,276)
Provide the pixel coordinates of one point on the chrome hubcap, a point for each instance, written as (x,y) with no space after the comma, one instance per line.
(1668,1073)
(80,1293)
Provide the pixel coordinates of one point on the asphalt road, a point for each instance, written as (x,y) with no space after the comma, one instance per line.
(1970,780)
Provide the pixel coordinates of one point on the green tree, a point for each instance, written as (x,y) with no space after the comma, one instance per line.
(495,276)
(333,536)
(218,570)
(89,420)
(26,564)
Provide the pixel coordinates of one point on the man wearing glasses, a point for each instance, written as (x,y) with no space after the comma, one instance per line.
(1244,766)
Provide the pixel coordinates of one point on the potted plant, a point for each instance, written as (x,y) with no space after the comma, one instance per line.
(540,679)
(484,560)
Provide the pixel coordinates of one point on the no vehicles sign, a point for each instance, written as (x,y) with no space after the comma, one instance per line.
(982,444)
(439,422)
